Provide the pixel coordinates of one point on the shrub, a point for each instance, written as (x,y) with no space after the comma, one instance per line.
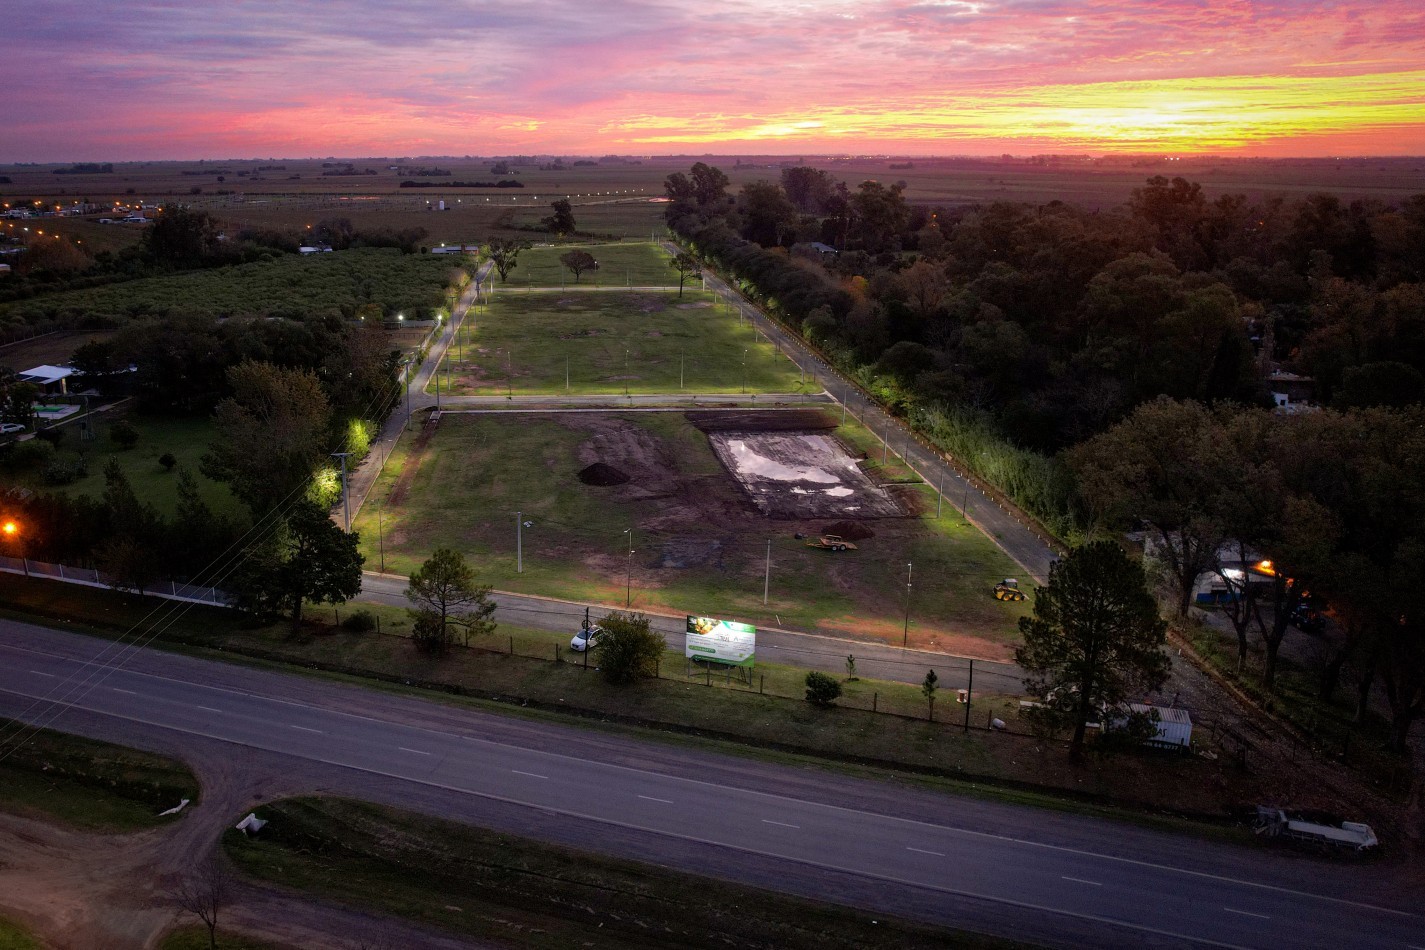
(52,436)
(59,472)
(360,621)
(629,650)
(167,460)
(822,689)
(124,433)
(30,454)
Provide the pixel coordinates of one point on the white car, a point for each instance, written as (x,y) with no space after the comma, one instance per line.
(587,639)
(10,428)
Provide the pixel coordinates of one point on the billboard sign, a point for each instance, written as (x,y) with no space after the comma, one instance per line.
(720,641)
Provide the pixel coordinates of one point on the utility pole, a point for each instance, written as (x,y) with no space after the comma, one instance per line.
(381,536)
(345,500)
(905,635)
(519,542)
(628,577)
(969,694)
(939,496)
(566,374)
(767,577)
(965,504)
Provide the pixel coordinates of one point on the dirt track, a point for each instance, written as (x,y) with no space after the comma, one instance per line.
(81,891)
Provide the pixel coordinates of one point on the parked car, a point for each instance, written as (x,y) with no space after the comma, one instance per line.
(587,639)
(10,428)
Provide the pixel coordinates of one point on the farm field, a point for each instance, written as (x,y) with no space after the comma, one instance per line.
(614,342)
(289,285)
(53,349)
(699,544)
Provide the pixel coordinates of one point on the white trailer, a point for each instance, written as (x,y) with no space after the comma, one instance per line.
(1351,835)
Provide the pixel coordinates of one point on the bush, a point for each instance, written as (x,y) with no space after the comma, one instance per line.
(167,460)
(360,621)
(52,436)
(822,690)
(30,454)
(629,650)
(124,434)
(59,472)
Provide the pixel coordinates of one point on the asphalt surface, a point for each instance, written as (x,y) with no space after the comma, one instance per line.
(1061,879)
(806,650)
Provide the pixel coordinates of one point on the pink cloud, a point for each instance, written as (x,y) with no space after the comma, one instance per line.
(159,78)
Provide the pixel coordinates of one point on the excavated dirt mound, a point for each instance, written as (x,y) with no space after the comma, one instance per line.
(602,475)
(850,530)
(764,420)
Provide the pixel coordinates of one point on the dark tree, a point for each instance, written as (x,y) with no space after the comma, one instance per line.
(577,262)
(687,267)
(1094,641)
(561,222)
(182,238)
(204,893)
(504,254)
(309,559)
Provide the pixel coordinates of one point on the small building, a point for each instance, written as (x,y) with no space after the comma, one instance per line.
(4,269)
(455,249)
(314,249)
(50,379)
(1291,392)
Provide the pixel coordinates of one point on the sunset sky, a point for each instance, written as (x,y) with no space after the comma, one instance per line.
(142,79)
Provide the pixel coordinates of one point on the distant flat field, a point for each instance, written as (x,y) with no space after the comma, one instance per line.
(614,341)
(614,198)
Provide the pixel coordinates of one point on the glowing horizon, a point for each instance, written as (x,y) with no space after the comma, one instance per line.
(158,79)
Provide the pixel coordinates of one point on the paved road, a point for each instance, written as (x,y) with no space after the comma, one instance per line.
(791,647)
(1064,879)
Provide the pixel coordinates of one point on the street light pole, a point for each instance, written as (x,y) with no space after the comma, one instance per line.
(519,542)
(939,496)
(905,634)
(345,499)
(381,537)
(767,577)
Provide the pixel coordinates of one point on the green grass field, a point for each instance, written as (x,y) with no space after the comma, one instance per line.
(615,342)
(501,887)
(186,439)
(630,264)
(15,937)
(698,544)
(91,785)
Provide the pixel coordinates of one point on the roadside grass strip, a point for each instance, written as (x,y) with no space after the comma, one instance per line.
(495,886)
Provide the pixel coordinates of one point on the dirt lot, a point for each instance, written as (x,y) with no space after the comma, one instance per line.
(699,543)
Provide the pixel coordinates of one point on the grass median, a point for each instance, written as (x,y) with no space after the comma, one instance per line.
(500,887)
(95,786)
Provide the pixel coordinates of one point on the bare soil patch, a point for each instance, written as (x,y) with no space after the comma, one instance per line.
(801,475)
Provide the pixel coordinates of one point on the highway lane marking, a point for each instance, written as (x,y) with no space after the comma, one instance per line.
(208,709)
(564,813)
(308,729)
(649,798)
(128,691)
(38,673)
(938,854)
(1079,880)
(412,751)
(530,774)
(187,684)
(768,821)
(1246,913)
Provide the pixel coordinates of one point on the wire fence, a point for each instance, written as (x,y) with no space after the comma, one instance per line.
(93,577)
